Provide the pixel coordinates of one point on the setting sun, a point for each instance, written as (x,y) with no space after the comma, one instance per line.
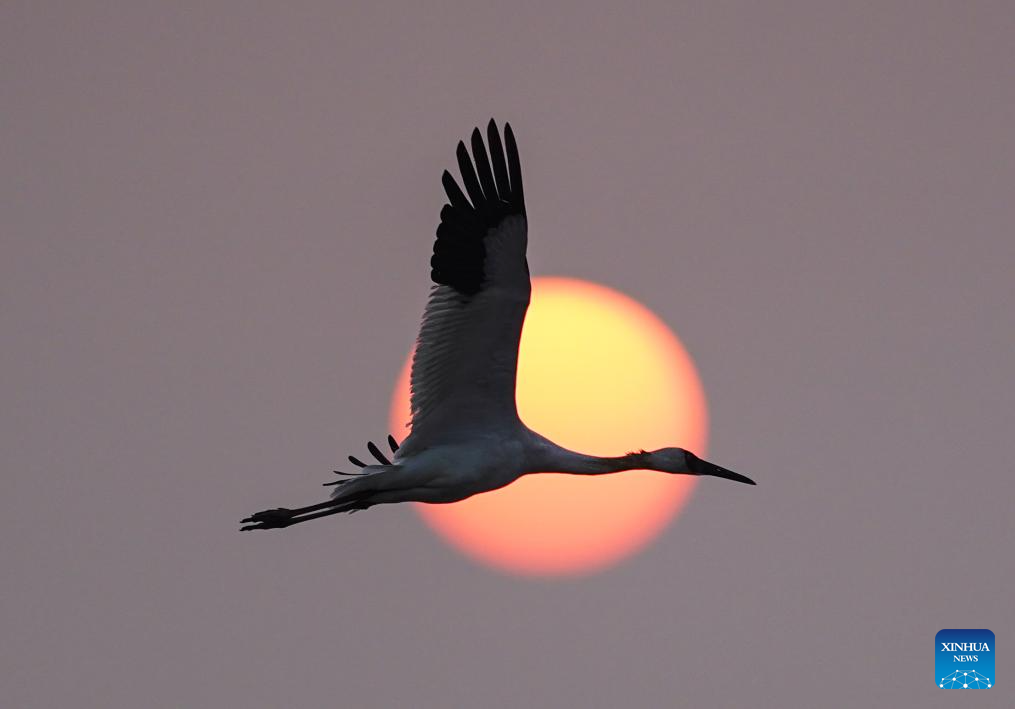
(600,373)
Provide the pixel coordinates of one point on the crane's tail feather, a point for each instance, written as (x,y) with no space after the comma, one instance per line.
(365,482)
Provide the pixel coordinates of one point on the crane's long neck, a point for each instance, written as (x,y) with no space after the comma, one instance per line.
(555,459)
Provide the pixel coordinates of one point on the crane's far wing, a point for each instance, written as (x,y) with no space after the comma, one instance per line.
(463,368)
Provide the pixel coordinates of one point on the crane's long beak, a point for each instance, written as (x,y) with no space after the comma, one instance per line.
(703,467)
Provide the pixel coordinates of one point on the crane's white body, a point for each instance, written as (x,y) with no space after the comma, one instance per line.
(487,460)
(448,472)
(466,437)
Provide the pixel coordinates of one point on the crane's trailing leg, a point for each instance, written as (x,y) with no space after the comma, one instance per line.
(282,517)
(349,500)
(350,495)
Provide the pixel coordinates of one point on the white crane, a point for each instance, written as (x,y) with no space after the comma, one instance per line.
(466,437)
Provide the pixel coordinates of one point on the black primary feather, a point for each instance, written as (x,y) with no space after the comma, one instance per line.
(376,453)
(494,186)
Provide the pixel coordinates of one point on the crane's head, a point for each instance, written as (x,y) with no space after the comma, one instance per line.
(683,462)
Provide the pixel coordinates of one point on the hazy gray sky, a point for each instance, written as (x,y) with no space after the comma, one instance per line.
(216,225)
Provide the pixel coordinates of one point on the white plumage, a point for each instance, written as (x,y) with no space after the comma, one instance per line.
(466,437)
(463,369)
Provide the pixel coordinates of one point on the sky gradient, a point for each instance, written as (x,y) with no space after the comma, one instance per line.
(216,226)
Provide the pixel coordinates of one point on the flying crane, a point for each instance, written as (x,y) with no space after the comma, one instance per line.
(466,437)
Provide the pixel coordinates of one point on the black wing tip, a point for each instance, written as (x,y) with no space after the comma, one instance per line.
(508,197)
(491,178)
(509,136)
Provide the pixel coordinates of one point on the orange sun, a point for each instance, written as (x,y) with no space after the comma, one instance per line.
(598,373)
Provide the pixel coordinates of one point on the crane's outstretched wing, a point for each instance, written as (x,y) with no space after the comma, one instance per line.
(463,368)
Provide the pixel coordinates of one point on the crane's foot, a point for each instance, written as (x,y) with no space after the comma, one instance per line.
(278,518)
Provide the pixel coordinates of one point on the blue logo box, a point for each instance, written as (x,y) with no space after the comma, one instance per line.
(964,659)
